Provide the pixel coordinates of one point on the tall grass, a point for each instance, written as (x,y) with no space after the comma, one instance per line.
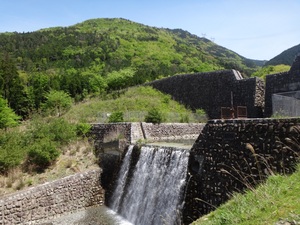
(276,200)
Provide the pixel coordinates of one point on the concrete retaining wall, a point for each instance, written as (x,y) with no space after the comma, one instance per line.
(53,199)
(232,155)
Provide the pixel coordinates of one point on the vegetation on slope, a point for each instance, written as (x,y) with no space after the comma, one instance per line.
(267,70)
(99,56)
(286,57)
(54,145)
(134,103)
(274,202)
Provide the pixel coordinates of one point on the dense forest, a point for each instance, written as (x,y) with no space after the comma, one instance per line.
(99,56)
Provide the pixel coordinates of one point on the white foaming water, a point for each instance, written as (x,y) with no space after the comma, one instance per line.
(155,193)
(122,177)
(119,220)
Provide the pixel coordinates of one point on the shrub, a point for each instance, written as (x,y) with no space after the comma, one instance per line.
(62,131)
(116,117)
(82,129)
(42,154)
(184,118)
(58,102)
(58,130)
(154,116)
(12,150)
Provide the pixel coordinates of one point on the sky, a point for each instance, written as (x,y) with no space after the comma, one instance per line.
(255,29)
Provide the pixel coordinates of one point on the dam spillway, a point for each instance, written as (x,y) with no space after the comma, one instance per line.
(152,193)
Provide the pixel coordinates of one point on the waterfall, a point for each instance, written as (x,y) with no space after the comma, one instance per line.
(122,177)
(154,194)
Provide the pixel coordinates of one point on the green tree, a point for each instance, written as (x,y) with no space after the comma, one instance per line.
(12,87)
(120,79)
(58,102)
(39,85)
(7,116)
(154,116)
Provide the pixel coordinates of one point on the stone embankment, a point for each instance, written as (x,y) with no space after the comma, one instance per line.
(52,199)
(231,155)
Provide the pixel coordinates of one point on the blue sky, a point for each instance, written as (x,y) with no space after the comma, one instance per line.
(256,29)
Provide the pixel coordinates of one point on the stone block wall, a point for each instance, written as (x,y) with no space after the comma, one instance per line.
(231,155)
(110,132)
(171,131)
(52,199)
(130,133)
(280,83)
(213,90)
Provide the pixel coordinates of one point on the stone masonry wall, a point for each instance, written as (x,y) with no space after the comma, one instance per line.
(172,131)
(110,132)
(230,155)
(53,199)
(133,132)
(213,90)
(280,83)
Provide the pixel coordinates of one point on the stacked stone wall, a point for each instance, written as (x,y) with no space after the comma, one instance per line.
(231,155)
(213,90)
(172,131)
(131,133)
(280,83)
(110,132)
(53,199)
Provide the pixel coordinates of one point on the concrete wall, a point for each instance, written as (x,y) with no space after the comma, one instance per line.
(53,199)
(231,155)
(213,90)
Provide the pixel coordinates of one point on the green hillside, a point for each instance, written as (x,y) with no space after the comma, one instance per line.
(267,70)
(99,56)
(286,57)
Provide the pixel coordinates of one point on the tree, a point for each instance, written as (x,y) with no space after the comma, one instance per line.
(12,87)
(38,88)
(154,116)
(57,102)
(120,79)
(8,118)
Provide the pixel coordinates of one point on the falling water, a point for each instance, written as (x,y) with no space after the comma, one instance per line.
(123,173)
(155,192)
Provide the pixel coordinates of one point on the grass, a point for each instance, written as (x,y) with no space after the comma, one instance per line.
(134,102)
(277,201)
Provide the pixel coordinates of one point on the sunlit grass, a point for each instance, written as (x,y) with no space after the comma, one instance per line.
(276,200)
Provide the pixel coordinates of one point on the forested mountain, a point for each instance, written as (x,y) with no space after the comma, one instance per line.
(286,57)
(101,55)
